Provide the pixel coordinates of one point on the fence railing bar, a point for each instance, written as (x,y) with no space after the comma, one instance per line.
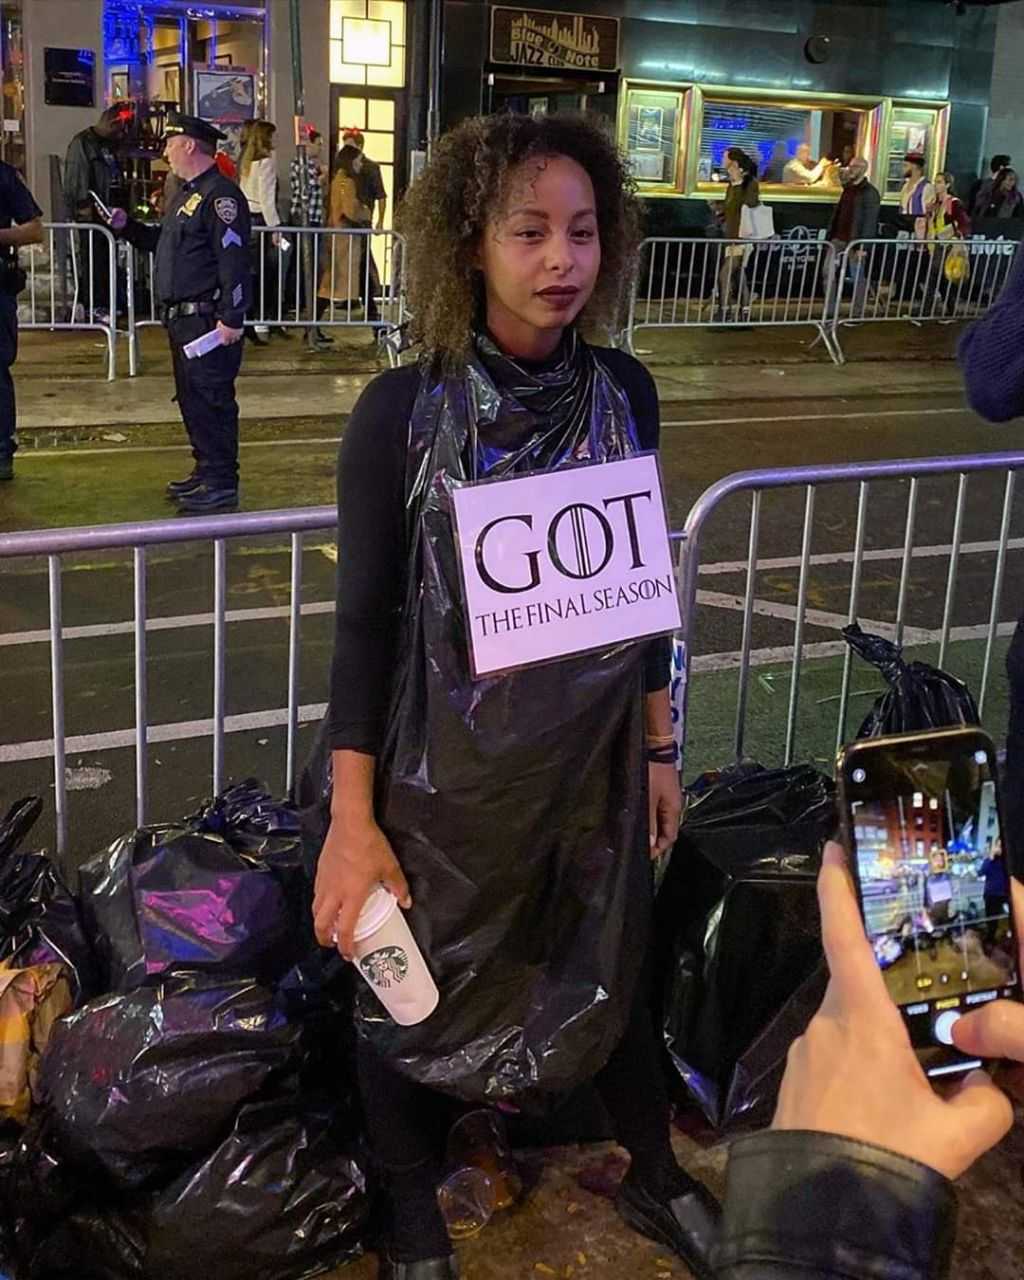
(294,640)
(855,576)
(954,565)
(743,689)
(141,716)
(60,782)
(798,629)
(219,659)
(997,587)
(908,555)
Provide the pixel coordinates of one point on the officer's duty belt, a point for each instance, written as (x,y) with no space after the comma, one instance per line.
(177,309)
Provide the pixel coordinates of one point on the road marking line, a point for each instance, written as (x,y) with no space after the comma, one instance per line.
(96,630)
(84,744)
(182,730)
(26,455)
(813,617)
(818,417)
(846,557)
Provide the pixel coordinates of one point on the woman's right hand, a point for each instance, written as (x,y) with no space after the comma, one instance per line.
(355,858)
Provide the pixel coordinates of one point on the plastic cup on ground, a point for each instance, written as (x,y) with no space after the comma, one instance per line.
(467,1201)
(389,960)
(479,1140)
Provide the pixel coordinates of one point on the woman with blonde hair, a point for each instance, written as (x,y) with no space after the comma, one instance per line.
(341,283)
(257,176)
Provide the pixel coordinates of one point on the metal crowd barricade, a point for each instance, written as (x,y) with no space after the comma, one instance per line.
(722,284)
(915,281)
(73,283)
(807,480)
(136,538)
(306,278)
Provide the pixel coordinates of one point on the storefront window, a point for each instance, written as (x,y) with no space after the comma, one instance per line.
(368,42)
(653,122)
(12,112)
(913,129)
(793,146)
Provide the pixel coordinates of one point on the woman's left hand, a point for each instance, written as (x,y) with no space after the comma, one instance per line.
(666,801)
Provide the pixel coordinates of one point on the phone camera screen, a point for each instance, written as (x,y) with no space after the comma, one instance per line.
(934,887)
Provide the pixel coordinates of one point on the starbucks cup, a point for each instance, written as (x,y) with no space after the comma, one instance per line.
(387,956)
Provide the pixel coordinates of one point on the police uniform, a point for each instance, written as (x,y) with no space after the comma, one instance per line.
(17,206)
(202,274)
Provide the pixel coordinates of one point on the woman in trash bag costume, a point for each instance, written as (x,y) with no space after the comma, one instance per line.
(513,816)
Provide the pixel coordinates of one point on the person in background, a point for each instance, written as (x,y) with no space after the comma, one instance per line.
(311,216)
(744,189)
(855,1176)
(92,164)
(800,172)
(340,282)
(257,176)
(947,220)
(855,218)
(1004,200)
(372,196)
(202,275)
(981,190)
(997,889)
(21,223)
(991,355)
(917,195)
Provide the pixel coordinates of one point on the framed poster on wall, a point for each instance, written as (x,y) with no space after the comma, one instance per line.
(70,77)
(225,93)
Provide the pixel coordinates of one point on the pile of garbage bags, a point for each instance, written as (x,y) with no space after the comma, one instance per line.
(187,1097)
(738,940)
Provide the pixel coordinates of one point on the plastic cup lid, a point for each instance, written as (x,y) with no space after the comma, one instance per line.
(379,908)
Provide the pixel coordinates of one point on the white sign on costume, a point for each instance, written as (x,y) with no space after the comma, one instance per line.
(564,562)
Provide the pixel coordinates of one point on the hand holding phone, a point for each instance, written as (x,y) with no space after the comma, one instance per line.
(921,821)
(852,1074)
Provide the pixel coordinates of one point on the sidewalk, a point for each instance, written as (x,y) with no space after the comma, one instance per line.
(61,386)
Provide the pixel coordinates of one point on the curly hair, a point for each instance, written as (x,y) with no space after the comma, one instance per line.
(467,183)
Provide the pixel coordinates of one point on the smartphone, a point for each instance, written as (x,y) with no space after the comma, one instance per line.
(921,823)
(105,213)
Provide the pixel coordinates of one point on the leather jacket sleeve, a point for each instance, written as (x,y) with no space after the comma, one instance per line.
(813,1206)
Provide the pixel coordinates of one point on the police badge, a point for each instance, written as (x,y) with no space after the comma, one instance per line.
(226,209)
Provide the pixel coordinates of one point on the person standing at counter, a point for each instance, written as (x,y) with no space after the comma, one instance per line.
(800,172)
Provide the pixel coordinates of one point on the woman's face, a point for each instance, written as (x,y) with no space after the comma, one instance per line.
(541,256)
(1011,182)
(941,190)
(732,169)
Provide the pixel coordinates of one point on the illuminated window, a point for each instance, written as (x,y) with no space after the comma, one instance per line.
(913,129)
(918,799)
(794,146)
(933,803)
(367,39)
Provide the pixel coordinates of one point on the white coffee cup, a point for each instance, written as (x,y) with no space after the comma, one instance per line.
(387,956)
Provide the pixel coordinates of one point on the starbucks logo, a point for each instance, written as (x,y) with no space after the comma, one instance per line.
(386,967)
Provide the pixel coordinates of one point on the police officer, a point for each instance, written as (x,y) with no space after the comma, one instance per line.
(202,282)
(21,222)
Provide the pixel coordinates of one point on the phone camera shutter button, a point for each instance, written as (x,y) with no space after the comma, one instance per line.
(944,1023)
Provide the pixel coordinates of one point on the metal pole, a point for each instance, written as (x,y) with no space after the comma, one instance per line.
(434,78)
(302,264)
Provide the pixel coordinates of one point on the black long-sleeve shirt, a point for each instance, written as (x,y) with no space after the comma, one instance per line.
(372,552)
(202,246)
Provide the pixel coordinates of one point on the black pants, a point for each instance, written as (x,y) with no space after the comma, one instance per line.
(1013,783)
(94,284)
(407,1122)
(269,275)
(8,354)
(205,391)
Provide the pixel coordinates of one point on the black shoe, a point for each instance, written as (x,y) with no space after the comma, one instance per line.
(323,337)
(207,501)
(430,1269)
(6,468)
(686,1224)
(183,488)
(257,338)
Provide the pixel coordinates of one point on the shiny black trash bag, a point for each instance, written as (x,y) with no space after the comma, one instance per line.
(171,899)
(739,938)
(919,696)
(136,1085)
(284,1195)
(515,803)
(40,922)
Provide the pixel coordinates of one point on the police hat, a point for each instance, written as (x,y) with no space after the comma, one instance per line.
(193,127)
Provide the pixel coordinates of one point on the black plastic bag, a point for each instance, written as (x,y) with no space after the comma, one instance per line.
(168,900)
(40,921)
(739,938)
(919,696)
(301,1206)
(136,1085)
